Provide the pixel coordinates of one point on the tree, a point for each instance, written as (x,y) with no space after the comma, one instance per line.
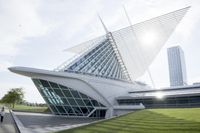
(13,96)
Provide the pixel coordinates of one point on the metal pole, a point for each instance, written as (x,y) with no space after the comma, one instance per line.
(148,71)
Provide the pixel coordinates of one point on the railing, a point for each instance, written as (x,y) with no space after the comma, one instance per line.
(15,123)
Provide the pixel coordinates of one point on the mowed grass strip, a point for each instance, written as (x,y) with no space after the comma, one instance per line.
(30,108)
(184,120)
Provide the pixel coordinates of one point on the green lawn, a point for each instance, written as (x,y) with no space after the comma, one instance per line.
(185,120)
(30,108)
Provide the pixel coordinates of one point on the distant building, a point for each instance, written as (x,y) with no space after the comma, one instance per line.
(171,97)
(177,67)
(196,83)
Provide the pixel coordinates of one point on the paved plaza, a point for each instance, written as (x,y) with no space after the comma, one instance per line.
(43,123)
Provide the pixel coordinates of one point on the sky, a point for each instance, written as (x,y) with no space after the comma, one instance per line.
(34,33)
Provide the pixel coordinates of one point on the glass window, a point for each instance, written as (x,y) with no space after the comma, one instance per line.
(60,109)
(68,109)
(72,114)
(80,102)
(67,93)
(194,99)
(84,110)
(55,101)
(83,96)
(71,101)
(78,111)
(44,83)
(58,92)
(53,85)
(59,100)
(65,102)
(53,109)
(101,105)
(102,113)
(87,102)
(90,109)
(36,82)
(49,91)
(63,87)
(46,92)
(46,99)
(52,93)
(95,103)
(75,94)
(42,92)
(49,100)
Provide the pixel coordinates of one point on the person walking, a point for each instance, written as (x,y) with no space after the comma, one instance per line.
(2,114)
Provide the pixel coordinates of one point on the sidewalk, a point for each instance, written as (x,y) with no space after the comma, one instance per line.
(8,125)
(45,123)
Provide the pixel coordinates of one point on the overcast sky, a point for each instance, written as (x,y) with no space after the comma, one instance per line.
(34,33)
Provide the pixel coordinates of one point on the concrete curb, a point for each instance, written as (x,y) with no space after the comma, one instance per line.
(19,125)
(14,121)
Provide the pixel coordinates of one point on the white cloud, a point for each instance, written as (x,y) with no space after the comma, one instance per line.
(19,19)
(4,65)
(30,91)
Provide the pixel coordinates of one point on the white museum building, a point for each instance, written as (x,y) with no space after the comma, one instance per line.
(100,81)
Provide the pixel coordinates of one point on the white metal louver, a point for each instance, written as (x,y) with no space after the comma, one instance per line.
(139,44)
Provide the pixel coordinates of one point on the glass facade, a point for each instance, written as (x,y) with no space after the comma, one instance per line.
(177,67)
(167,102)
(103,60)
(63,100)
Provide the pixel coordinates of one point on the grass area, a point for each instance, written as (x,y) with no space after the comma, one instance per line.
(185,120)
(30,108)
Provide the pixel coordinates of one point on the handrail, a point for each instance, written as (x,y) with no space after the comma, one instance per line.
(11,113)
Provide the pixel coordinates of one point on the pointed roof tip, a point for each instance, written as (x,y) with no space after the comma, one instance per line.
(185,8)
(104,26)
(188,6)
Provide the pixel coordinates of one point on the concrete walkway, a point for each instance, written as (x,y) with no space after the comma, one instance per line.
(8,125)
(43,123)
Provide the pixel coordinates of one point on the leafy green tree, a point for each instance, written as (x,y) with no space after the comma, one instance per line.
(13,96)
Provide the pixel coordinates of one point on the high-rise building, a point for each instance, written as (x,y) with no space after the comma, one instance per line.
(177,67)
(104,70)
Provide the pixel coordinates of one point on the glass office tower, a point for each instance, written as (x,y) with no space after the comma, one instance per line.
(177,66)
